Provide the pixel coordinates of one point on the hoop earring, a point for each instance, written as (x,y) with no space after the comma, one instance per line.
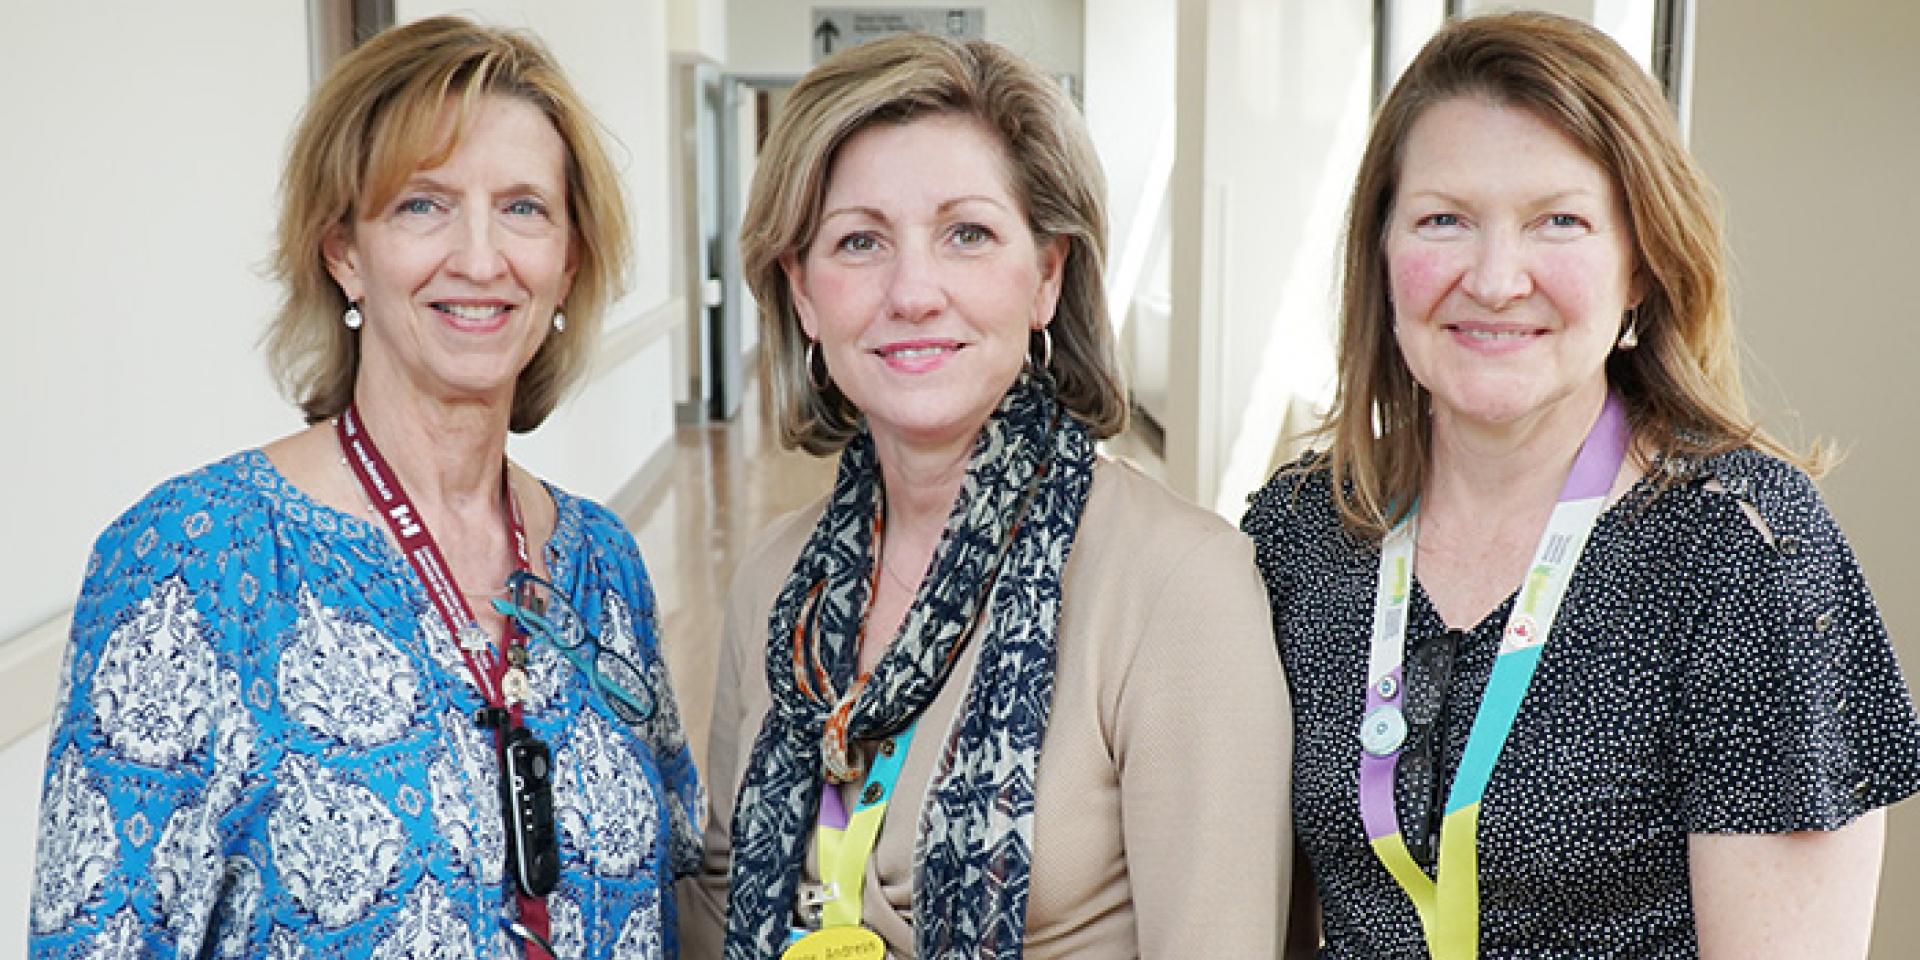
(1046,351)
(822,380)
(1630,337)
(352,317)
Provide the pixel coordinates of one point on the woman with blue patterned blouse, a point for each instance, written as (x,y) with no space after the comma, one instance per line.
(1582,666)
(285,714)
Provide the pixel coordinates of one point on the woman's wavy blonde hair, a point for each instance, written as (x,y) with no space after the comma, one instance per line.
(1053,172)
(1681,385)
(374,121)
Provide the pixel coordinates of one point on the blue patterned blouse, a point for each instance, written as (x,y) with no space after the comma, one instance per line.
(264,746)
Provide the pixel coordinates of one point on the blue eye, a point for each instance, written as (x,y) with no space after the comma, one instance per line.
(1440,220)
(971,234)
(526,208)
(1563,220)
(858,242)
(417,206)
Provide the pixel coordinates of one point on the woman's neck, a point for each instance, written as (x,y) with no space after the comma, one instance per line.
(447,453)
(921,485)
(1488,496)
(1480,468)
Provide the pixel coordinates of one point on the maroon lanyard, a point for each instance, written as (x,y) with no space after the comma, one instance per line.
(390,500)
(501,686)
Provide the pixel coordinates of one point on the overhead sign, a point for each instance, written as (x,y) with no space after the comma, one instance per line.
(837,28)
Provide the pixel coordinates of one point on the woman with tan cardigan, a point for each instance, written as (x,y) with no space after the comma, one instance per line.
(1064,672)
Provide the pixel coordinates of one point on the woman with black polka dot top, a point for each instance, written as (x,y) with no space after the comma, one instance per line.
(1581,665)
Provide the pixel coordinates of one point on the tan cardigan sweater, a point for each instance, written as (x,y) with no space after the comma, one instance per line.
(1161,811)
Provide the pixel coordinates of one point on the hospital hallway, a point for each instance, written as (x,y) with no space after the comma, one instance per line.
(147,147)
(727,481)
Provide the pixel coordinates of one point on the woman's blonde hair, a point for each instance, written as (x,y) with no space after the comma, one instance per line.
(1052,170)
(1681,385)
(374,121)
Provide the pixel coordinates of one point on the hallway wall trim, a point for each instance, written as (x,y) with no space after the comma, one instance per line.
(30,660)
(29,669)
(622,341)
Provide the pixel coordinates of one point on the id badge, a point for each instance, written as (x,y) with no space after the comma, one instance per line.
(837,943)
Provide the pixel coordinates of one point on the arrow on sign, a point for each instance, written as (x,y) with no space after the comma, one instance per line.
(826,33)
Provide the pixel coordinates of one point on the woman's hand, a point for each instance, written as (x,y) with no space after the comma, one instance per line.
(1797,895)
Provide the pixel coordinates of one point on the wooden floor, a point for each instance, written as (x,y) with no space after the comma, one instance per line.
(727,481)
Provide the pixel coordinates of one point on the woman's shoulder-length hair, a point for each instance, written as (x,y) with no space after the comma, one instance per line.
(1681,385)
(380,115)
(1053,172)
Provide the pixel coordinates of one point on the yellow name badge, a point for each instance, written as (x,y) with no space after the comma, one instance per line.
(838,943)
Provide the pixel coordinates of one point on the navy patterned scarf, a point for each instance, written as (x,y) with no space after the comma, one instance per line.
(1005,545)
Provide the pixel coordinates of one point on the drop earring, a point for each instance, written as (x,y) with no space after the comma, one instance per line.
(559,322)
(1630,337)
(352,317)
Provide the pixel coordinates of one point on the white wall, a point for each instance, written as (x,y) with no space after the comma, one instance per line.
(1803,115)
(698,28)
(775,36)
(1129,54)
(141,196)
(1274,105)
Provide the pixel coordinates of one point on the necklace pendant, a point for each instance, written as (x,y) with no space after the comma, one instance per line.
(474,639)
(514,686)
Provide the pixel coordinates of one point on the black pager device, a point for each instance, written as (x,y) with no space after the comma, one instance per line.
(526,798)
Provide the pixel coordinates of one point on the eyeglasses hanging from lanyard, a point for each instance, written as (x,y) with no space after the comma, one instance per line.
(543,614)
(526,781)
(1429,670)
(1449,903)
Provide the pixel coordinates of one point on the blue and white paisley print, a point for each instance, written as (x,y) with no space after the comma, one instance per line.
(286,945)
(334,841)
(344,680)
(602,800)
(186,872)
(640,935)
(239,907)
(77,833)
(429,929)
(457,781)
(118,937)
(265,746)
(153,687)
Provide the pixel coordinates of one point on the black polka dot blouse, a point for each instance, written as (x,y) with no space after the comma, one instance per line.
(1703,677)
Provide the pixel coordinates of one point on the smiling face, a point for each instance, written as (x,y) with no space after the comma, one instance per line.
(924,280)
(1511,263)
(458,275)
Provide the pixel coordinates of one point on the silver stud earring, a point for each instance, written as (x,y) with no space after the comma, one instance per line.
(1630,337)
(352,317)
(559,322)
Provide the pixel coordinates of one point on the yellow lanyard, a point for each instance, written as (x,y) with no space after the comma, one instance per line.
(844,852)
